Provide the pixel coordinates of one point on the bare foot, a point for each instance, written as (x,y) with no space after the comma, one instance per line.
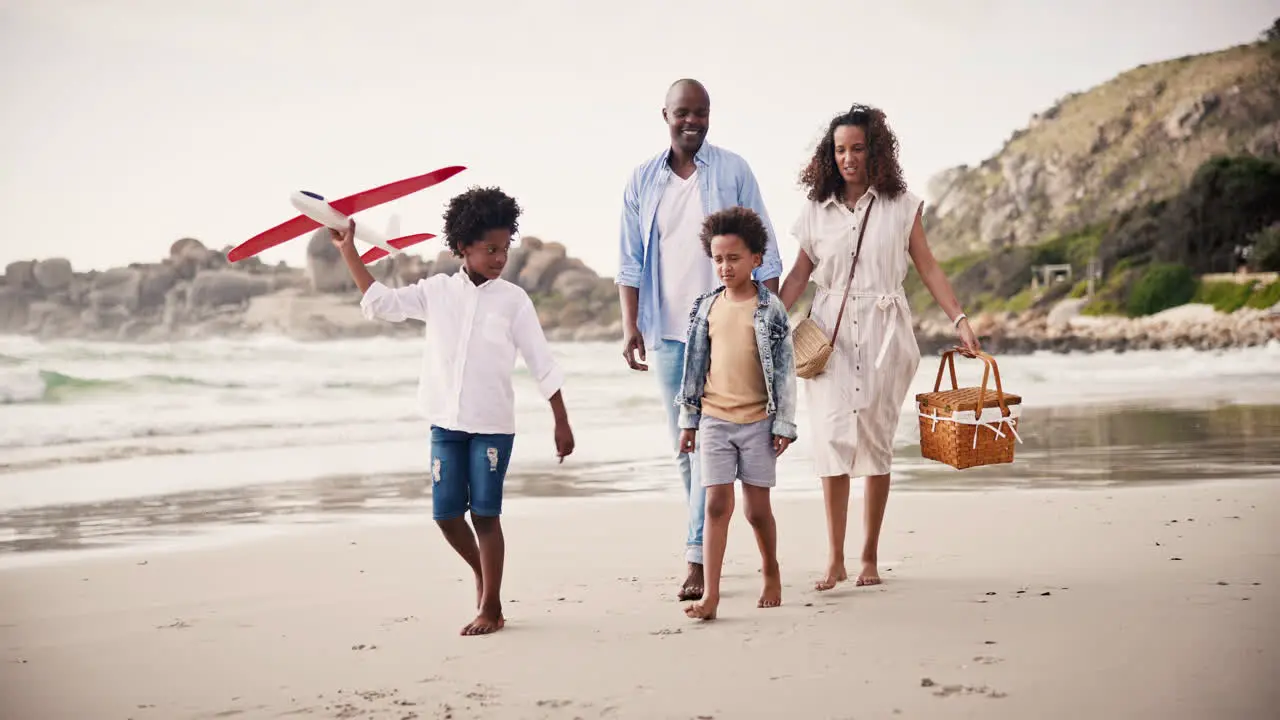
(869,575)
(692,587)
(705,610)
(836,574)
(485,624)
(771,596)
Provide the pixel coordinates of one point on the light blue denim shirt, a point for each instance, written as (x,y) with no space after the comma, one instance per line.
(777,358)
(725,180)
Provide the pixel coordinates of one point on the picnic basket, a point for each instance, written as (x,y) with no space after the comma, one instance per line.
(970,426)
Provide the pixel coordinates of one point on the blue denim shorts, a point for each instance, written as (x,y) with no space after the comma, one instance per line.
(467,472)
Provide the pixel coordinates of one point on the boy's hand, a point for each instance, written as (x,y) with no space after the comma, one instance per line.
(688,440)
(345,238)
(564,440)
(780,445)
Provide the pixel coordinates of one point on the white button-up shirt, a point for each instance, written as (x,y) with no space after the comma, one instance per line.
(472,335)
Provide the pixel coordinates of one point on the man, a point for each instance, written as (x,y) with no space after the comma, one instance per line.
(662,267)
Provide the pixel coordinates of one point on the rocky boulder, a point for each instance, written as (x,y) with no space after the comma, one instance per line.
(53,275)
(215,288)
(20,274)
(187,256)
(116,288)
(325,267)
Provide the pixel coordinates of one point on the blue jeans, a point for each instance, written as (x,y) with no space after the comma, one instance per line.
(467,473)
(668,361)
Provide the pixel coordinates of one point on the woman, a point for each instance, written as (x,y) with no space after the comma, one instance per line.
(855,403)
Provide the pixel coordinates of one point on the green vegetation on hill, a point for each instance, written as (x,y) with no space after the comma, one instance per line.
(1134,140)
(1150,257)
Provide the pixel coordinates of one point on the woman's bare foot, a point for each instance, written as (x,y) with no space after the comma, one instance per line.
(836,574)
(693,584)
(705,610)
(485,624)
(870,575)
(771,595)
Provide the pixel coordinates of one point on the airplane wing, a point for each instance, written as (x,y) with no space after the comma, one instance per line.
(399,243)
(349,205)
(287,230)
(353,204)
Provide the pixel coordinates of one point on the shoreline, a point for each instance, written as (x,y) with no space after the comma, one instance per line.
(1038,603)
(195,535)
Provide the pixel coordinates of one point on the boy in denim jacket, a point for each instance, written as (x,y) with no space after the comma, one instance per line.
(739,391)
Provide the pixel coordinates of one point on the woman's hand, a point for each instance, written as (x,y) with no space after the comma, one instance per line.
(968,340)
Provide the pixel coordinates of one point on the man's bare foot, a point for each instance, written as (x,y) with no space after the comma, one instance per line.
(692,587)
(771,596)
(836,574)
(705,610)
(485,624)
(869,575)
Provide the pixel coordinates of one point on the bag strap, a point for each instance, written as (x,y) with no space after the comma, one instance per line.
(857,253)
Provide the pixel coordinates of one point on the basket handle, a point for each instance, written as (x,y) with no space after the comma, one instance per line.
(989,368)
(948,357)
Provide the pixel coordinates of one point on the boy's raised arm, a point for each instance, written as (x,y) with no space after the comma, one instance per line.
(377,300)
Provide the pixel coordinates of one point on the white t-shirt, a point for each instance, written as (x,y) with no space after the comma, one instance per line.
(685,270)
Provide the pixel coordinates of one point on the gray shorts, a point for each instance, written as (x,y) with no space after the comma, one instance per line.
(731,452)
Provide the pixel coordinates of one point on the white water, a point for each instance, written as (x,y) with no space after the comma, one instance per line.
(89,422)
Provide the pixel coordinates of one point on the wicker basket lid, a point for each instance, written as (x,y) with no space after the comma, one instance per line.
(965,398)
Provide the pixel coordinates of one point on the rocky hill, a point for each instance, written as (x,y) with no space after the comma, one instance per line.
(1129,142)
(1145,193)
(195,292)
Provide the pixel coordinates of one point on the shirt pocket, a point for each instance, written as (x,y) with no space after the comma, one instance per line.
(496,329)
(724,197)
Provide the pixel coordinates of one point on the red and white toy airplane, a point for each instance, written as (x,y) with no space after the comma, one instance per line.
(317,213)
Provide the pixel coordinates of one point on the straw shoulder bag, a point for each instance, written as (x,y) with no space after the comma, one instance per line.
(812,348)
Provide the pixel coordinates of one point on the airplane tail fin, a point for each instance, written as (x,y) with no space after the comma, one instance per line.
(399,243)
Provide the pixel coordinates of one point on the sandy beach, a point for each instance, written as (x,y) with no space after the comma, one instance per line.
(1141,602)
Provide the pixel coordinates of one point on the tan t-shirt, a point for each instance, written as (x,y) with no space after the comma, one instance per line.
(734,390)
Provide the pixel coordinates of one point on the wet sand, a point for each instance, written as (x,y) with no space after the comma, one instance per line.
(1095,445)
(1136,602)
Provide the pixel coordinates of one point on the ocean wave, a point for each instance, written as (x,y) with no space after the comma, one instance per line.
(35,385)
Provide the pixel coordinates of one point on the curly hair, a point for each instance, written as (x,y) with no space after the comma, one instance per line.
(737,220)
(477,211)
(822,177)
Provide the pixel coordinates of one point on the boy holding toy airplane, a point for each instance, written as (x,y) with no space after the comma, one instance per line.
(476,322)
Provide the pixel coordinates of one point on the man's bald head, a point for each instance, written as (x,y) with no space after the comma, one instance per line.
(687,85)
(687,113)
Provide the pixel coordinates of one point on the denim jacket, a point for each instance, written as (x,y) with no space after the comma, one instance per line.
(725,180)
(777,357)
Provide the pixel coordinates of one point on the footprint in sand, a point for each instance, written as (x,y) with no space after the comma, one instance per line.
(949,690)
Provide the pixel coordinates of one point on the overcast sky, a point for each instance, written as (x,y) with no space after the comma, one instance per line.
(126,124)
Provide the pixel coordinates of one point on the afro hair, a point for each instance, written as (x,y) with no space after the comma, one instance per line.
(737,220)
(475,212)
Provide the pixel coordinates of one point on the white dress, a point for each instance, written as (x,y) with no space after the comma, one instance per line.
(855,403)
